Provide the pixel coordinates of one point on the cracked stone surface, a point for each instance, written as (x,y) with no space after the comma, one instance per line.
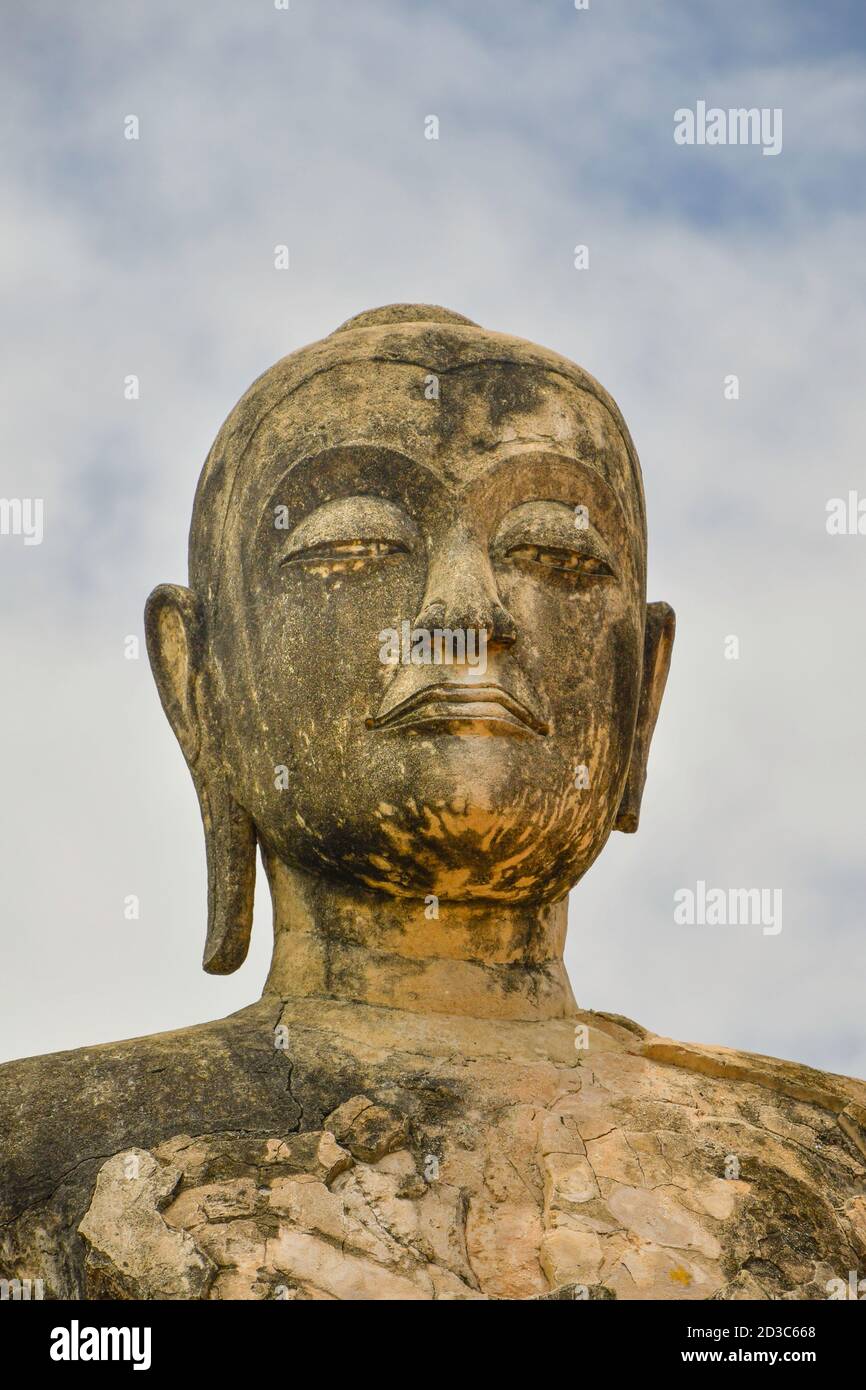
(389,1156)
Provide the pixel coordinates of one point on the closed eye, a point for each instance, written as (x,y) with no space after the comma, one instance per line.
(564,561)
(349,533)
(556,543)
(357,551)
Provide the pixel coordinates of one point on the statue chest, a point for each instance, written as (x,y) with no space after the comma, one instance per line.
(528,1181)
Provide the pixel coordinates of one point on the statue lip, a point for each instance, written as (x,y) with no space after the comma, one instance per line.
(451,703)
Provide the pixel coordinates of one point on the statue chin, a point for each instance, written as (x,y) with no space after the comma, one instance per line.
(456,849)
(476,818)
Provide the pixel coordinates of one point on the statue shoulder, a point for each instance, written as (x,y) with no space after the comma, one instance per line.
(775,1095)
(840,1095)
(61,1114)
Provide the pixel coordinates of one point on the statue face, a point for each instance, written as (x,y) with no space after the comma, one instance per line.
(506,507)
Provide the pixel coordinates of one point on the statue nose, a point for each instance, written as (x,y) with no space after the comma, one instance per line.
(464,596)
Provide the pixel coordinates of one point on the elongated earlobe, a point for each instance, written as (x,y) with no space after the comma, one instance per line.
(658,644)
(230,840)
(174,629)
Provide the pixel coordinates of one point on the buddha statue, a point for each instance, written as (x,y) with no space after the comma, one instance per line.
(416,670)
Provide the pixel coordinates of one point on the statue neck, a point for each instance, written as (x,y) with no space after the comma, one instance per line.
(481,960)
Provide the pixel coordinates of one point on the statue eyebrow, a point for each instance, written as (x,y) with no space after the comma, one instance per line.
(536,450)
(369,484)
(589,467)
(363,451)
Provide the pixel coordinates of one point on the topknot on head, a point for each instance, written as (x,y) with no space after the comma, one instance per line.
(404,313)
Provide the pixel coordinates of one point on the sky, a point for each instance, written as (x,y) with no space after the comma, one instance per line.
(154,257)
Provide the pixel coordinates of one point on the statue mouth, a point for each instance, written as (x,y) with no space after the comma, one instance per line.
(460,708)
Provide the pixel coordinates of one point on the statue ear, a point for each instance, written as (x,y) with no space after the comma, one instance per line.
(175,632)
(658,644)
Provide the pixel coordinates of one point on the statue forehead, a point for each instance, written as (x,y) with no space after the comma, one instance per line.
(366,383)
(471,417)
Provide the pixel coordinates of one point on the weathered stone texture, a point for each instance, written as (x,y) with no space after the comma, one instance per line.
(480,1160)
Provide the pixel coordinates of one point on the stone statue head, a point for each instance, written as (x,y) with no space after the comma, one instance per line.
(411,475)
